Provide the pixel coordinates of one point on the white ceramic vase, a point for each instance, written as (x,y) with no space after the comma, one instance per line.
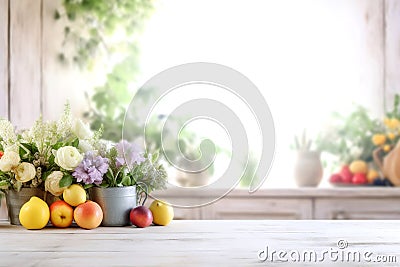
(308,169)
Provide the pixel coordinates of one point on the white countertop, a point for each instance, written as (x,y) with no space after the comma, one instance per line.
(352,191)
(205,243)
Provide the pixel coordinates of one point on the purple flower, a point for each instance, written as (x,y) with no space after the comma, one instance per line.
(129,154)
(91,169)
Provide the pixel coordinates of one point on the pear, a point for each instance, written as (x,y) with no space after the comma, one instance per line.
(34,214)
(162,212)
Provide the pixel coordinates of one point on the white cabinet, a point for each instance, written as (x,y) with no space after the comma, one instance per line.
(260,209)
(303,203)
(357,209)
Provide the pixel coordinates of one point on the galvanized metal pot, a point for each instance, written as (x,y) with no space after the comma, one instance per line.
(116,203)
(15,200)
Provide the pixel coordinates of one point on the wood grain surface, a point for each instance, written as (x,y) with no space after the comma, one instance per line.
(4,59)
(202,243)
(25,62)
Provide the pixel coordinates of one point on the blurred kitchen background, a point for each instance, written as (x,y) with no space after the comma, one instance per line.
(328,69)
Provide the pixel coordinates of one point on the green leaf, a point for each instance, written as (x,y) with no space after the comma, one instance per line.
(61,57)
(58,145)
(110,176)
(66,180)
(119,177)
(67,30)
(57,15)
(126,181)
(3,184)
(155,156)
(71,16)
(104,184)
(87,186)
(45,175)
(75,143)
(51,160)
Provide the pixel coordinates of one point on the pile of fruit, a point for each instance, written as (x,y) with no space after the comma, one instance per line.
(87,214)
(357,173)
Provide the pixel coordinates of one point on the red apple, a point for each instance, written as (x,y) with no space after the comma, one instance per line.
(359,178)
(336,178)
(346,174)
(141,216)
(61,214)
(88,215)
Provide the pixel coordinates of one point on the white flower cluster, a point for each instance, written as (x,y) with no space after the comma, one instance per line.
(28,155)
(46,134)
(8,136)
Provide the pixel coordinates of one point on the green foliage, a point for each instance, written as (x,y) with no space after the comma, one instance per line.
(37,147)
(92,28)
(350,136)
(28,152)
(149,174)
(66,180)
(92,23)
(93,31)
(394,113)
(249,173)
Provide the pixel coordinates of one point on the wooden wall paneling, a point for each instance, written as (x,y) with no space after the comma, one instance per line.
(4,58)
(3,77)
(392,51)
(61,82)
(51,45)
(371,33)
(25,62)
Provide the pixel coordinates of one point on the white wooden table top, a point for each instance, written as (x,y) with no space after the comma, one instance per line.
(205,243)
(306,192)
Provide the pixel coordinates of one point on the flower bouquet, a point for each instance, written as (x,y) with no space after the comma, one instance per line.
(52,156)
(116,174)
(387,143)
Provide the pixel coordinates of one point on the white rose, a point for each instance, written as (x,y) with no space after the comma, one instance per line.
(68,157)
(25,172)
(81,130)
(52,183)
(9,160)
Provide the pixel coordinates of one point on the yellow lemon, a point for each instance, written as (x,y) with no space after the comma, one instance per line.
(358,166)
(74,195)
(387,148)
(162,212)
(394,123)
(391,136)
(372,175)
(378,139)
(386,121)
(34,214)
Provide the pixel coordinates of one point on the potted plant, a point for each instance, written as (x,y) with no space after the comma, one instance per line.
(349,136)
(308,167)
(35,160)
(116,176)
